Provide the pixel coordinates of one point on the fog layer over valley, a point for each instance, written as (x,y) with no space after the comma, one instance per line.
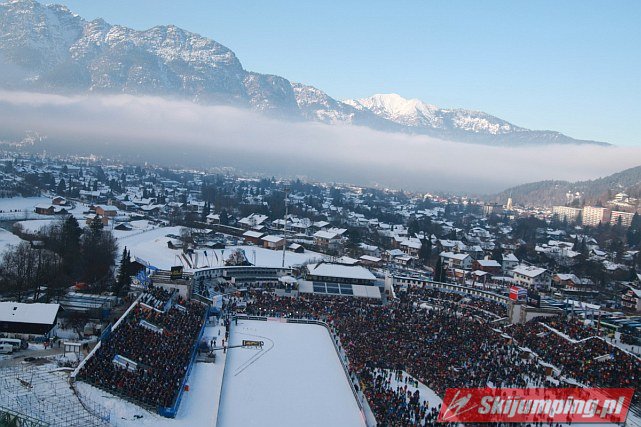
(180,133)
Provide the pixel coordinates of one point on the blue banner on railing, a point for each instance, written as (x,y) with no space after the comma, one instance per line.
(143,278)
(106,333)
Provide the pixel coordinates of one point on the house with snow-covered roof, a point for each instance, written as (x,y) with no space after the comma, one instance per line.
(213,218)
(252,221)
(411,246)
(490,266)
(371,250)
(456,260)
(529,276)
(44,209)
(327,239)
(108,211)
(320,225)
(631,299)
(273,242)
(510,261)
(253,236)
(570,281)
(371,261)
(20,318)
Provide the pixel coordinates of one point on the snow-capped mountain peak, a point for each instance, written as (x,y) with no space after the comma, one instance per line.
(416,113)
(49,48)
(409,112)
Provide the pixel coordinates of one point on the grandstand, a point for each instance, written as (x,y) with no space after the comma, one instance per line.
(241,274)
(455,329)
(404,281)
(149,352)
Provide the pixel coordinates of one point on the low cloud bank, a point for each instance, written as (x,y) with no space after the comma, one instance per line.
(180,133)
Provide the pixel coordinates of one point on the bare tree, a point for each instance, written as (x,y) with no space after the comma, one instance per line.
(26,269)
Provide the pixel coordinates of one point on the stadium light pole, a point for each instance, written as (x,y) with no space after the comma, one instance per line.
(285,224)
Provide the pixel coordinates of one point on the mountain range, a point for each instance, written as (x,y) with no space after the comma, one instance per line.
(47,48)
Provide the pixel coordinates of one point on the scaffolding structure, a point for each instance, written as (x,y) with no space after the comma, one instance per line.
(33,393)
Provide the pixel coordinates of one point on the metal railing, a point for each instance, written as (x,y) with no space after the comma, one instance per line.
(10,417)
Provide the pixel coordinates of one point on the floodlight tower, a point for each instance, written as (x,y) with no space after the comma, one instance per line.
(285,223)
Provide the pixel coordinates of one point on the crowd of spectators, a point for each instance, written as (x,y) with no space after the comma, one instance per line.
(446,340)
(396,403)
(573,328)
(160,354)
(592,362)
(449,346)
(482,307)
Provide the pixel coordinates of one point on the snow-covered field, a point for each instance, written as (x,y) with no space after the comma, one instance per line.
(145,241)
(7,238)
(23,208)
(262,257)
(295,380)
(21,203)
(150,244)
(33,226)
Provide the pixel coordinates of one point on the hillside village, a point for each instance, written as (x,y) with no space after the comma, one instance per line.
(588,254)
(88,244)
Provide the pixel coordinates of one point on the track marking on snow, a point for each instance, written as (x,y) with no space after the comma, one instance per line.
(255,357)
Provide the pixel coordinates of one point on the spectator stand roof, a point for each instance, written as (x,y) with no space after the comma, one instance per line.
(340,271)
(74,301)
(339,289)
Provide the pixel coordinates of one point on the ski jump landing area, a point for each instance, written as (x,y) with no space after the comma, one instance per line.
(295,379)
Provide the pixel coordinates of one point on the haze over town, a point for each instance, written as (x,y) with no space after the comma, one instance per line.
(180,133)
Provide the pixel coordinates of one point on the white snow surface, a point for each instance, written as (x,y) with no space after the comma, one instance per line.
(425,392)
(28,313)
(151,246)
(23,209)
(35,225)
(7,239)
(295,380)
(22,203)
(416,113)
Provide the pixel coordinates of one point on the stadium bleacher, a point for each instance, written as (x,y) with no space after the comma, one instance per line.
(145,360)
